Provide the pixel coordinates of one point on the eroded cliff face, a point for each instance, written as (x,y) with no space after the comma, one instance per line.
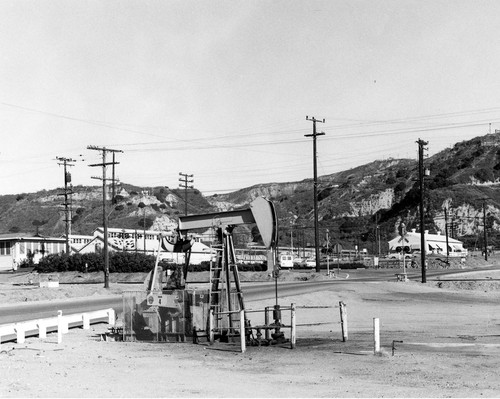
(244,197)
(89,194)
(164,223)
(377,201)
(469,218)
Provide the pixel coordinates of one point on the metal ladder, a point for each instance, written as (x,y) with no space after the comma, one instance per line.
(220,292)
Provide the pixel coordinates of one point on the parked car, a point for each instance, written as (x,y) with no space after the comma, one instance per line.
(398,256)
(311,262)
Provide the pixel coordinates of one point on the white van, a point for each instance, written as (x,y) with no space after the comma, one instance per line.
(286,261)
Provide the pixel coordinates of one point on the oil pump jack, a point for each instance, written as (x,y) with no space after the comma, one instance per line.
(223,299)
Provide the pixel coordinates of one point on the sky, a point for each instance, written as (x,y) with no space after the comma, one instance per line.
(221,89)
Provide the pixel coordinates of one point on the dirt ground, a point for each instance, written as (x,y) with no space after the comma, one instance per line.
(445,335)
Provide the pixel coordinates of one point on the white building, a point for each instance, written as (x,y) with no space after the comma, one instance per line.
(131,240)
(17,247)
(435,244)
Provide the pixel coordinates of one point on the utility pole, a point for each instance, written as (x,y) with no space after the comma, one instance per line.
(104,164)
(113,180)
(68,192)
(446,232)
(484,229)
(421,148)
(315,186)
(377,235)
(186,179)
(144,194)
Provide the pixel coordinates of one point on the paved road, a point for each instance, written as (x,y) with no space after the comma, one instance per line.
(254,291)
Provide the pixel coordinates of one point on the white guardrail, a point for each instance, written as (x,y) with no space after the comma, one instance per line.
(61,324)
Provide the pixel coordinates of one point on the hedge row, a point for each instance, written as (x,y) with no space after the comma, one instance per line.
(119,262)
(323,266)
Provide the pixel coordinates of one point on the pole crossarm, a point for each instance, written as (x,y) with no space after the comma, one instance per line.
(105,164)
(94,147)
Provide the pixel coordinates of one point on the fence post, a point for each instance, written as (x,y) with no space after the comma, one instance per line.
(266,322)
(376,335)
(343,320)
(211,326)
(242,331)
(293,336)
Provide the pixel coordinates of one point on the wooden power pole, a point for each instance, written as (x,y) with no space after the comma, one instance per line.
(421,145)
(104,164)
(315,186)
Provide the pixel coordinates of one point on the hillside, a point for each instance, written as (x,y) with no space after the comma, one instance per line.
(355,205)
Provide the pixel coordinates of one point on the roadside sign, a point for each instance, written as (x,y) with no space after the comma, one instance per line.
(337,248)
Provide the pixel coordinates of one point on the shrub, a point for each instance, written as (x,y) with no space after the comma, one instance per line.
(400,187)
(119,262)
(484,174)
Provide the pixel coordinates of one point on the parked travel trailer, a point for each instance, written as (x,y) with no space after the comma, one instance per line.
(286,261)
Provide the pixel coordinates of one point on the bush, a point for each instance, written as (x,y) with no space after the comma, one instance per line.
(120,262)
(484,174)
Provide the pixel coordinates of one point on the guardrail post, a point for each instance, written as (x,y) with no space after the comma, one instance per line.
(111,317)
(60,326)
(20,337)
(293,337)
(42,329)
(86,321)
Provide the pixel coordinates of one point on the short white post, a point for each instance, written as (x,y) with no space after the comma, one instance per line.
(42,329)
(20,334)
(211,315)
(59,326)
(242,331)
(86,321)
(343,320)
(293,337)
(111,317)
(376,335)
